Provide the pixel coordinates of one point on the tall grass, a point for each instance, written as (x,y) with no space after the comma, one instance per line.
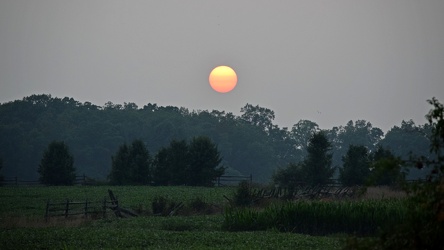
(319,218)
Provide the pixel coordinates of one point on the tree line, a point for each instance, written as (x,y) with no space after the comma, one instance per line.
(360,166)
(196,163)
(248,144)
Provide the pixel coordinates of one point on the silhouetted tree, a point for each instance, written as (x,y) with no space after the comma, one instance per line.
(131,165)
(171,164)
(204,159)
(317,165)
(56,166)
(258,116)
(140,163)
(385,168)
(1,166)
(356,167)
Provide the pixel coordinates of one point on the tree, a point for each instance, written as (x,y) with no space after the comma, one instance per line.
(204,159)
(161,169)
(385,168)
(1,166)
(119,174)
(409,140)
(56,166)
(258,116)
(359,132)
(356,167)
(317,165)
(423,226)
(140,163)
(302,132)
(171,164)
(131,165)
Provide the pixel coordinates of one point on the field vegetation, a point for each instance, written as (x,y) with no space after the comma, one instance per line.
(23,225)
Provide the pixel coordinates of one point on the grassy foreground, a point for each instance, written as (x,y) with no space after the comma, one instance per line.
(22,225)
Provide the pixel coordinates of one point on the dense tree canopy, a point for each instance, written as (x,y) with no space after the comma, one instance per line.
(249,143)
(131,165)
(56,166)
(193,164)
(356,167)
(318,164)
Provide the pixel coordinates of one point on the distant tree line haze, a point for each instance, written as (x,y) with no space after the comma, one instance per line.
(166,137)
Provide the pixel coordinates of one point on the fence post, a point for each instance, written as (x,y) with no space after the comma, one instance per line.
(66,208)
(47,211)
(251,179)
(104,208)
(86,208)
(16,180)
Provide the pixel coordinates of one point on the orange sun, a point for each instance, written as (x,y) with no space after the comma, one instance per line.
(223,79)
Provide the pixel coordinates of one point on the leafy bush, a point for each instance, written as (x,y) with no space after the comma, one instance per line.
(243,195)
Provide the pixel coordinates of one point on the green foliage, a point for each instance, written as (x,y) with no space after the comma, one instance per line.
(356,168)
(291,176)
(243,196)
(423,227)
(1,166)
(56,166)
(131,165)
(386,168)
(314,170)
(204,160)
(196,164)
(317,165)
(196,232)
(319,218)
(302,132)
(360,132)
(249,143)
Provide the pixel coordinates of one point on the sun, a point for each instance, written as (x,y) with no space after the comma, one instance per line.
(223,79)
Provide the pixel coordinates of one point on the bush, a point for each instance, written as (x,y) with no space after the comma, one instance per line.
(243,196)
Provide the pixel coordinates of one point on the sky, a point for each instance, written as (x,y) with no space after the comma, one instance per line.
(320,60)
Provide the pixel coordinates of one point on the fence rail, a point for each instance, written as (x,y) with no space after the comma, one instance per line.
(73,208)
(227,180)
(15,181)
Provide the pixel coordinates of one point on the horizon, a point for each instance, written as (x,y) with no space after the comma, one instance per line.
(323,61)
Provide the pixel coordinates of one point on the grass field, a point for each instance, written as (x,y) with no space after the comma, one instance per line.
(23,225)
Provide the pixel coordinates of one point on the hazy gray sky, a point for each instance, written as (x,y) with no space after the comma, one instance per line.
(326,61)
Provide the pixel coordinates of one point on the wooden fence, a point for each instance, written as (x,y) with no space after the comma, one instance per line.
(229,180)
(307,192)
(73,208)
(15,181)
(87,208)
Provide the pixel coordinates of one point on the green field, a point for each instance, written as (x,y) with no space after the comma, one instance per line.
(23,225)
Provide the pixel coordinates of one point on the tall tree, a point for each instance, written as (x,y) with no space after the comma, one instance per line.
(317,165)
(161,168)
(56,166)
(302,132)
(140,163)
(131,165)
(1,166)
(359,132)
(258,116)
(356,167)
(119,174)
(204,159)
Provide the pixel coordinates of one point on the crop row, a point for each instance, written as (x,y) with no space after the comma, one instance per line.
(319,218)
